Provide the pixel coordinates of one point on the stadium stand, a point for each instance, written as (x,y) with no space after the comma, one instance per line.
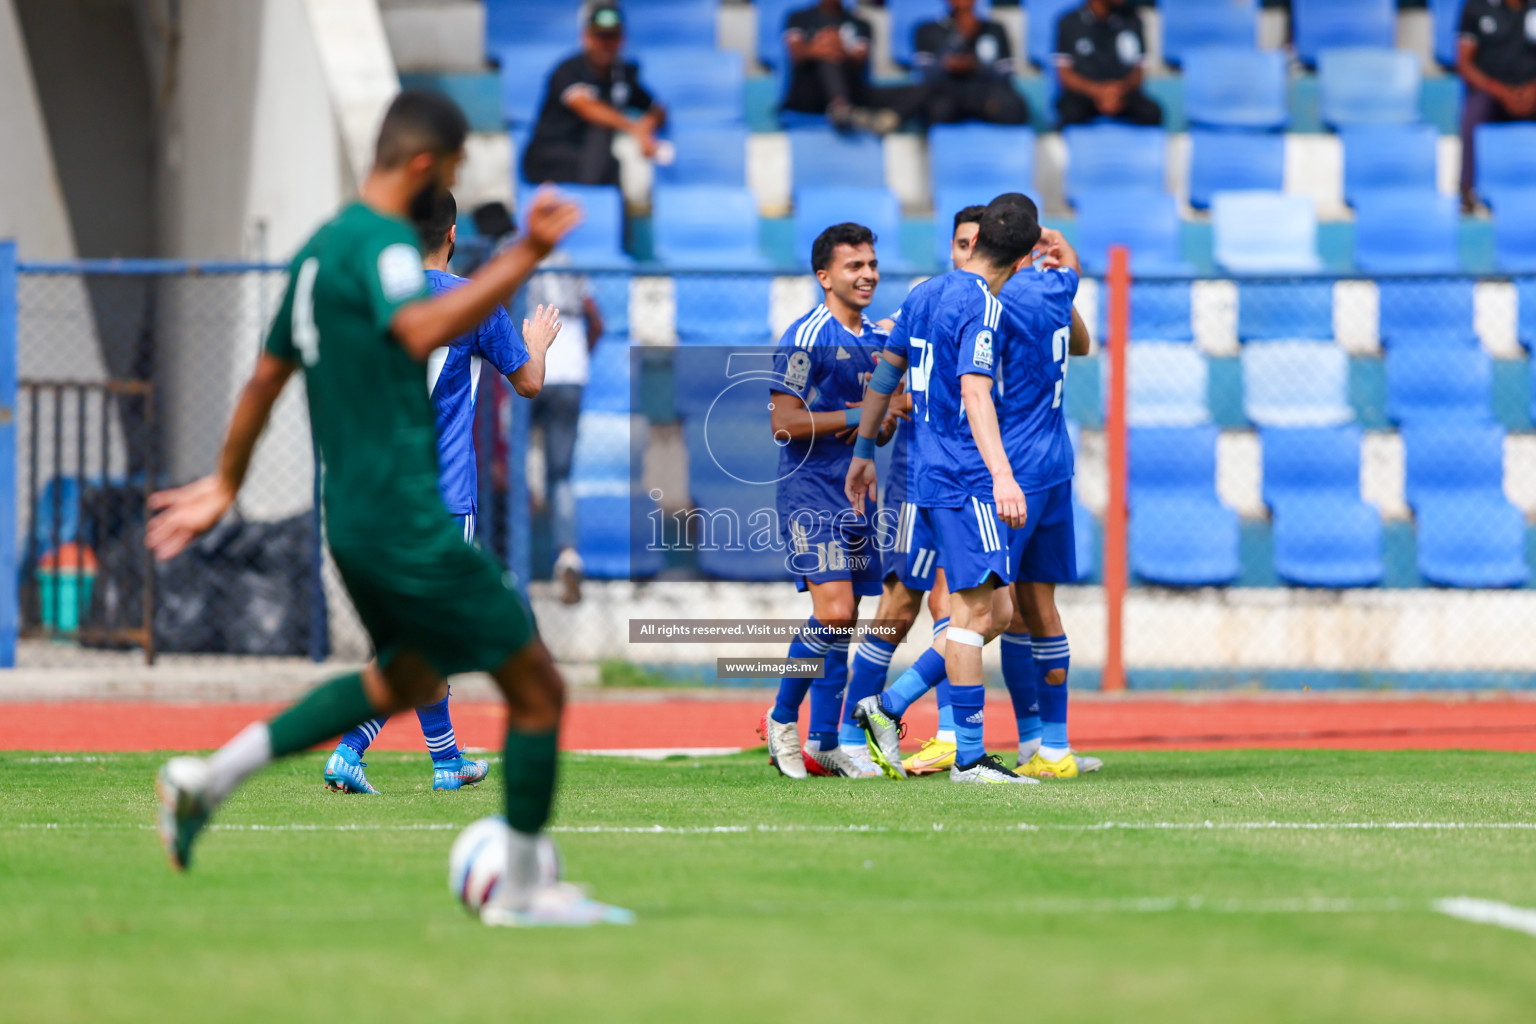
(1436,387)
(1295,384)
(1277,310)
(770,30)
(985,159)
(1506,159)
(711,154)
(1445,18)
(1228,161)
(1361,85)
(906,15)
(817,206)
(1318,25)
(1040,18)
(519,23)
(1189,25)
(1514,232)
(1324,534)
(1168,384)
(1147,222)
(696,86)
(670,23)
(1265,233)
(1114,158)
(1380,157)
(711,227)
(599,239)
(821,156)
(524,70)
(1181,535)
(1160,311)
(1436,312)
(1227,87)
(1468,532)
(1407,231)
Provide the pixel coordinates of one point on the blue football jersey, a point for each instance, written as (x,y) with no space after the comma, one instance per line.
(949,326)
(894,487)
(827,366)
(1031,376)
(453,377)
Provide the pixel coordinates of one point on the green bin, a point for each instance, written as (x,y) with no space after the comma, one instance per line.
(72,590)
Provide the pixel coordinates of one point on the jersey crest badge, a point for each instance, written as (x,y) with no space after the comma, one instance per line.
(798,371)
(983,357)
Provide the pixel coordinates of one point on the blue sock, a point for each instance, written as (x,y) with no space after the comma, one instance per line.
(968,703)
(1023,684)
(437,727)
(946,710)
(923,676)
(810,642)
(362,736)
(827,698)
(871,664)
(1052,652)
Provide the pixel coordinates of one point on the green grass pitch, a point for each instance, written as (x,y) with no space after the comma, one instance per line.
(339,909)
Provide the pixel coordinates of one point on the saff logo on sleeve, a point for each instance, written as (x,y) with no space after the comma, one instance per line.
(983,356)
(799,370)
(400,273)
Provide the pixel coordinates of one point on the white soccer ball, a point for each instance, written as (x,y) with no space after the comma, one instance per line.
(478,862)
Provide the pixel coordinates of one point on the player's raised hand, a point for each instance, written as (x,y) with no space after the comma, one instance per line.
(551,217)
(1008,499)
(1048,250)
(184,513)
(540,331)
(860,483)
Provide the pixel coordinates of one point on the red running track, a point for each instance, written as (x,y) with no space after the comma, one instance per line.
(615,722)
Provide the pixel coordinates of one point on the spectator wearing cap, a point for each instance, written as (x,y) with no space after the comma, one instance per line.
(1100,48)
(967,62)
(589,97)
(829,71)
(1496,57)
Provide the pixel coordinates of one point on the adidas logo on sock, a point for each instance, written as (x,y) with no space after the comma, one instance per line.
(974,719)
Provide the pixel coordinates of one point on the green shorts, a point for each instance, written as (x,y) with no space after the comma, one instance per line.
(437,596)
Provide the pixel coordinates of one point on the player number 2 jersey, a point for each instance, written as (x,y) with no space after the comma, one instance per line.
(1030,381)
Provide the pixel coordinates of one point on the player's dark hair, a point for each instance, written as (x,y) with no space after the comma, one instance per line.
(419,122)
(1020,200)
(836,235)
(434,227)
(969,215)
(1008,232)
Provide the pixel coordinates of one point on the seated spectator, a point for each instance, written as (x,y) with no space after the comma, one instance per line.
(967,63)
(1099,52)
(829,71)
(1496,57)
(585,103)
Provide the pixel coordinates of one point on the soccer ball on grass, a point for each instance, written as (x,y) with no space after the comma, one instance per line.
(478,862)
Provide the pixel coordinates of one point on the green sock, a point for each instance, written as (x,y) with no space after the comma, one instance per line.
(326,712)
(528,766)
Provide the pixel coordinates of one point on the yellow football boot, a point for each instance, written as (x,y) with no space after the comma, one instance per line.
(935,756)
(1038,767)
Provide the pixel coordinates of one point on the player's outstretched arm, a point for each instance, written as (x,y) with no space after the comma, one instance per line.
(792,421)
(423,326)
(981,413)
(862,481)
(184,513)
(539,332)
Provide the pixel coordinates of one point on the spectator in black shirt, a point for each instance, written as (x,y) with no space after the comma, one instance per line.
(829,71)
(585,103)
(967,63)
(1099,52)
(1496,57)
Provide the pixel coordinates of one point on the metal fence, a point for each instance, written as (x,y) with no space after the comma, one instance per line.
(1329,481)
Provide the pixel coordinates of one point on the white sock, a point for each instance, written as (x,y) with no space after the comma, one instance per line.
(855,749)
(946,736)
(237,760)
(1027,749)
(522,867)
(1054,753)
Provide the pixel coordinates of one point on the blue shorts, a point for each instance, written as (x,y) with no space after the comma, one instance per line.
(467,524)
(913,556)
(826,551)
(973,544)
(1044,549)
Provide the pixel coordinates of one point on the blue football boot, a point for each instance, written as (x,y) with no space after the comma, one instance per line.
(344,772)
(459,771)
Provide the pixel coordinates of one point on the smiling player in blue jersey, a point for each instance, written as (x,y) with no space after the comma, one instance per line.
(960,477)
(453,378)
(820,369)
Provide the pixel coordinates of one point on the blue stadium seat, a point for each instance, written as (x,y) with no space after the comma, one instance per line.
(1282,310)
(1296,384)
(610,292)
(524,70)
(706,227)
(1147,222)
(1265,233)
(1514,231)
(1301,464)
(612,530)
(1469,534)
(1388,156)
(818,208)
(655,23)
(609,392)
(599,239)
(821,157)
(1443,460)
(770,31)
(1446,17)
(987,158)
(1192,24)
(1168,385)
(1325,535)
(696,86)
(1318,25)
(1114,158)
(717,309)
(1359,85)
(1506,159)
(1041,17)
(1226,87)
(1439,385)
(1426,311)
(521,23)
(1525,298)
(1160,311)
(1407,231)
(1226,161)
(1085,538)
(732,462)
(906,15)
(710,154)
(1181,535)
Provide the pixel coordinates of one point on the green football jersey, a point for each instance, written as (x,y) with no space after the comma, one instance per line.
(368,403)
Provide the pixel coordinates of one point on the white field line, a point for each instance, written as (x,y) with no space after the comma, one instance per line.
(694,830)
(1502,915)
